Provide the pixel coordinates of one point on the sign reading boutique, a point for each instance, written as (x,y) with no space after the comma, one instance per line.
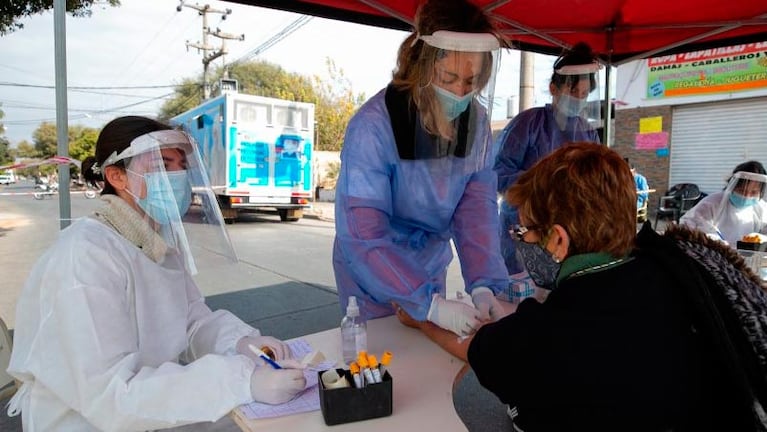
(716,70)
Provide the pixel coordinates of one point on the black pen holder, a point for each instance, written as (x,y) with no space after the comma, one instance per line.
(350,404)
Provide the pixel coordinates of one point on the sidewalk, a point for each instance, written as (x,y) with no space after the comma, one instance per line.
(322,210)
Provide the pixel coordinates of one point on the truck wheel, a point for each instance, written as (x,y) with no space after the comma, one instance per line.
(290,215)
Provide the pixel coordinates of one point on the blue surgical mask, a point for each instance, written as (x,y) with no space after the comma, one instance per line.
(163,205)
(540,264)
(452,104)
(570,106)
(740,201)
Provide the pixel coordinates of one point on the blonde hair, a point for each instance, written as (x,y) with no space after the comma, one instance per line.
(415,59)
(586,188)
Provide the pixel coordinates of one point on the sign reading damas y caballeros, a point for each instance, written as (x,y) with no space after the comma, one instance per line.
(717,70)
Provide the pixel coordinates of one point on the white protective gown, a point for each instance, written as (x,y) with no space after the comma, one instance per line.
(733,223)
(100,332)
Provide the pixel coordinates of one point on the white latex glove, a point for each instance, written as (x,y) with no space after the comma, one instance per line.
(456,316)
(488,306)
(280,350)
(276,386)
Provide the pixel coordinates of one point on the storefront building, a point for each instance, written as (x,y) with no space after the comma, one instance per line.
(692,117)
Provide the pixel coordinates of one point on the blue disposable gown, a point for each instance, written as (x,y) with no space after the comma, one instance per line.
(395,218)
(531,135)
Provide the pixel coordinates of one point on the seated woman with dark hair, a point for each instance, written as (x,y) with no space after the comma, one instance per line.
(738,210)
(638,333)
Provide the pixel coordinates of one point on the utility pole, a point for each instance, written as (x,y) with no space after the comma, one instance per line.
(526,80)
(207,58)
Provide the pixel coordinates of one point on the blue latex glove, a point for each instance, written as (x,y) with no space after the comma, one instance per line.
(488,306)
(456,316)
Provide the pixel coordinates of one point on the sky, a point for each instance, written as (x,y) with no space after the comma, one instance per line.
(142,43)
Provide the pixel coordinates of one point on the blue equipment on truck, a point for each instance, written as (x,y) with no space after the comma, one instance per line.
(257,151)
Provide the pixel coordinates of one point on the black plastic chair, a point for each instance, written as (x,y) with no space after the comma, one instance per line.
(677,201)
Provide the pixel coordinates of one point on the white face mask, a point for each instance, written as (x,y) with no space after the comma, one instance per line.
(570,106)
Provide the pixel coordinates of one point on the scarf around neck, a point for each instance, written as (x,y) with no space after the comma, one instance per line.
(130,224)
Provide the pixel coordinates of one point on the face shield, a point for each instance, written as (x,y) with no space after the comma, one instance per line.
(169,184)
(743,203)
(577,99)
(456,99)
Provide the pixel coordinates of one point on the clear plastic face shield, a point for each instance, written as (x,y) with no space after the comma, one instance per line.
(170,186)
(743,195)
(577,97)
(457,99)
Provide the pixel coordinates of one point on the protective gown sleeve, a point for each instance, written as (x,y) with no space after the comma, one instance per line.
(363,221)
(94,364)
(211,332)
(475,229)
(512,147)
(703,215)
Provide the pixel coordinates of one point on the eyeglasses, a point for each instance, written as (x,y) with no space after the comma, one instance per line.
(518,231)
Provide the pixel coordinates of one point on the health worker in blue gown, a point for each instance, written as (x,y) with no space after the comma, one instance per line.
(416,172)
(536,132)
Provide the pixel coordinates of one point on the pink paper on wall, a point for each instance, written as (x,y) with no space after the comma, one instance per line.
(651,141)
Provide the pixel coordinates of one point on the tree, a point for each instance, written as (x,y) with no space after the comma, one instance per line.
(25,149)
(5,150)
(45,140)
(12,11)
(259,78)
(335,102)
(82,141)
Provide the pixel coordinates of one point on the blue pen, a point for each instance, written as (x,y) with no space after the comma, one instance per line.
(265,357)
(719,233)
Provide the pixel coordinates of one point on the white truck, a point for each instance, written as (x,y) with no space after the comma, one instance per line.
(257,151)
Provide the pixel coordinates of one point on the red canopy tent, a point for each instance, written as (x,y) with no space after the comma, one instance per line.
(617,30)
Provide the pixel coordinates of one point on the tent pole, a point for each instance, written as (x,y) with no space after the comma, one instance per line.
(62,126)
(608,106)
(608,111)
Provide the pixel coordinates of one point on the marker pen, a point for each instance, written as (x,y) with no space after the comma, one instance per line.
(364,366)
(355,370)
(373,362)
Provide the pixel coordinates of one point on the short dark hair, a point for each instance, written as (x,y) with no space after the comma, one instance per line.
(580,54)
(117,135)
(751,166)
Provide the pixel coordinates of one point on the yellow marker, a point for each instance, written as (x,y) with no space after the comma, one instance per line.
(355,370)
(373,362)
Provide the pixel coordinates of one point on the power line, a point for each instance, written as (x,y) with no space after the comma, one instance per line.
(282,34)
(94,112)
(13,84)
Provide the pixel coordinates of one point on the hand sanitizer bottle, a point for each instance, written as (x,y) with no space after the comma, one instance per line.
(354,335)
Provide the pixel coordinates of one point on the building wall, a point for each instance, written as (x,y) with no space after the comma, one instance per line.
(647,162)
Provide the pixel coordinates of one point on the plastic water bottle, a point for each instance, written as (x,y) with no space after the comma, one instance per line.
(354,333)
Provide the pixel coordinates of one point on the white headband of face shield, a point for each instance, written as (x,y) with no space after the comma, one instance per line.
(157,139)
(459,41)
(582,69)
(745,175)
